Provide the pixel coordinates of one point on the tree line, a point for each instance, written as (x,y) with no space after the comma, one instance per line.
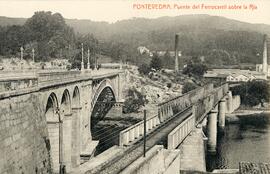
(50,37)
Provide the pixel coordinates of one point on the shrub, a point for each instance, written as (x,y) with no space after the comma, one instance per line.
(188,86)
(156,63)
(144,69)
(253,93)
(134,101)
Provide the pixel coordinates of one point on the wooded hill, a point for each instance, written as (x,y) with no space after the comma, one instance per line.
(220,40)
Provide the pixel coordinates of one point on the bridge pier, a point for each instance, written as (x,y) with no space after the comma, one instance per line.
(229,102)
(76,132)
(67,128)
(212,130)
(221,114)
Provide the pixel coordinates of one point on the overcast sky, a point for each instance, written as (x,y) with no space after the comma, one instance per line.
(113,10)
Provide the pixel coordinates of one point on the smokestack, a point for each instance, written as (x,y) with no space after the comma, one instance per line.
(176,53)
(264,64)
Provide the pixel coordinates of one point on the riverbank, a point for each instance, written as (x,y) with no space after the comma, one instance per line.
(234,117)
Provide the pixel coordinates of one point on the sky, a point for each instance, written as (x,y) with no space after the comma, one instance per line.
(114,10)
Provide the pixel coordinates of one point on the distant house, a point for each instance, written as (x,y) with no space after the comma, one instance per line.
(234,75)
(237,78)
(171,53)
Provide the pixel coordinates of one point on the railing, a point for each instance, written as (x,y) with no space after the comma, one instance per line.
(53,77)
(19,79)
(202,98)
(12,82)
(202,101)
(135,132)
(181,102)
(181,132)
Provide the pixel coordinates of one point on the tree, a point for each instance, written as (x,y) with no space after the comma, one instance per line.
(134,101)
(253,93)
(195,68)
(144,69)
(167,60)
(156,62)
(51,34)
(188,86)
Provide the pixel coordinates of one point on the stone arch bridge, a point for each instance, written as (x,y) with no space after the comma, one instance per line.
(46,118)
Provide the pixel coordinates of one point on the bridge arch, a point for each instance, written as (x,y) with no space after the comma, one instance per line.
(76,97)
(65,106)
(66,129)
(106,83)
(53,124)
(103,100)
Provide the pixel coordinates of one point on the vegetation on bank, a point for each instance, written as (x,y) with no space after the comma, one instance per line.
(134,100)
(253,93)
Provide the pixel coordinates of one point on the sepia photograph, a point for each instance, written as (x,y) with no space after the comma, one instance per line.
(134,87)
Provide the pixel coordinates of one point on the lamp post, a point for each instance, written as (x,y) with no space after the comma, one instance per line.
(88,59)
(21,57)
(95,62)
(82,63)
(33,54)
(121,64)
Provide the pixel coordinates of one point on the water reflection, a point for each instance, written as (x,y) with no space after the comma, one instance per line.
(246,140)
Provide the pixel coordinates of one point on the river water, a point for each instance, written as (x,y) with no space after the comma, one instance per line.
(245,140)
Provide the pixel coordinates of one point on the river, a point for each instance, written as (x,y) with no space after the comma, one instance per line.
(246,140)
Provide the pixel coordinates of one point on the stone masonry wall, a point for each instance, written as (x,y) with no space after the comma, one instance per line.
(23,133)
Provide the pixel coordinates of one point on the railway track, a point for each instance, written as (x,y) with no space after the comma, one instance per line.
(158,136)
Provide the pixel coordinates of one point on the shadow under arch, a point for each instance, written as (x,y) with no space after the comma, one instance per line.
(65,106)
(76,97)
(104,103)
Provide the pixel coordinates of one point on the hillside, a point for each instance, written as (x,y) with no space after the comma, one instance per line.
(200,35)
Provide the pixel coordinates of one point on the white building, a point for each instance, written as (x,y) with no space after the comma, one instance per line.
(235,75)
(259,68)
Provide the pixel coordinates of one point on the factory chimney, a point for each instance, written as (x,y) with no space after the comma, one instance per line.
(264,64)
(176,53)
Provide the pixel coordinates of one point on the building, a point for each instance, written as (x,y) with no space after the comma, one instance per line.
(259,68)
(234,75)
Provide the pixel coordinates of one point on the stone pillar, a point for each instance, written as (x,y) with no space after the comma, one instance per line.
(67,128)
(120,82)
(151,124)
(131,134)
(212,130)
(33,55)
(126,138)
(54,135)
(137,132)
(88,59)
(76,134)
(229,102)
(221,113)
(141,129)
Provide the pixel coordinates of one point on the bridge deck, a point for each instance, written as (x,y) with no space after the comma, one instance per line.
(159,136)
(21,82)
